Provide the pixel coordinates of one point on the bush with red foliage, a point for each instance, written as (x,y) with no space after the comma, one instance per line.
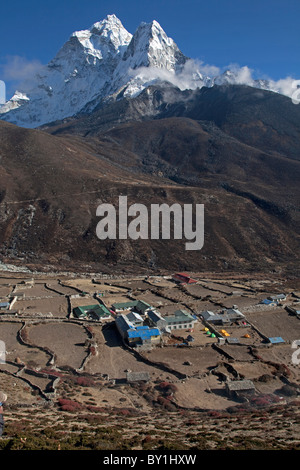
(69,405)
(90,330)
(85,381)
(95,409)
(191,422)
(167,387)
(214,414)
(162,401)
(166,403)
(264,400)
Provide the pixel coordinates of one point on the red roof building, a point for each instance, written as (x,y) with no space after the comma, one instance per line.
(183,278)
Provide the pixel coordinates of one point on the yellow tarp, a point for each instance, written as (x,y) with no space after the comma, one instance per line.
(224,333)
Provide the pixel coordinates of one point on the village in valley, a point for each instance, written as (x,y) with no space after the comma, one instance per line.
(182,341)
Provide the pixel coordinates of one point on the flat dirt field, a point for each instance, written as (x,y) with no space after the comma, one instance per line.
(170,307)
(240,301)
(5,291)
(82,301)
(15,349)
(153,299)
(160,282)
(218,287)
(65,340)
(64,289)
(132,284)
(175,295)
(201,359)
(37,290)
(276,322)
(110,299)
(205,393)
(254,370)
(56,306)
(238,352)
(199,306)
(88,285)
(202,292)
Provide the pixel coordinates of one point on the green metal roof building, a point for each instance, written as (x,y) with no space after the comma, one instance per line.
(180,319)
(139,306)
(96,311)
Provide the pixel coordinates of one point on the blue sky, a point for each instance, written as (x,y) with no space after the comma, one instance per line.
(261,34)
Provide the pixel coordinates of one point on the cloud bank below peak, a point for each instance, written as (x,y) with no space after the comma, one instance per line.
(196,74)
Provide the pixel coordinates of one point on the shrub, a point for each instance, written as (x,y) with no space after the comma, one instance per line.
(163,385)
(265,378)
(162,401)
(167,387)
(90,330)
(69,405)
(96,409)
(191,422)
(214,414)
(85,381)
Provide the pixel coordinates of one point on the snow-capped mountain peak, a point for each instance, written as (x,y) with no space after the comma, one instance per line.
(112,31)
(150,46)
(102,39)
(106,60)
(91,65)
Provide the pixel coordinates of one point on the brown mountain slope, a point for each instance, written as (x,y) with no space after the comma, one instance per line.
(51,186)
(237,137)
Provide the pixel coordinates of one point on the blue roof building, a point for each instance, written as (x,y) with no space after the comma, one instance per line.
(269,302)
(276,340)
(137,334)
(4,305)
(143,335)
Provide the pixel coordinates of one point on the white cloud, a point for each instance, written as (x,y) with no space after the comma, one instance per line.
(193,74)
(19,68)
(243,75)
(18,73)
(286,86)
(196,74)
